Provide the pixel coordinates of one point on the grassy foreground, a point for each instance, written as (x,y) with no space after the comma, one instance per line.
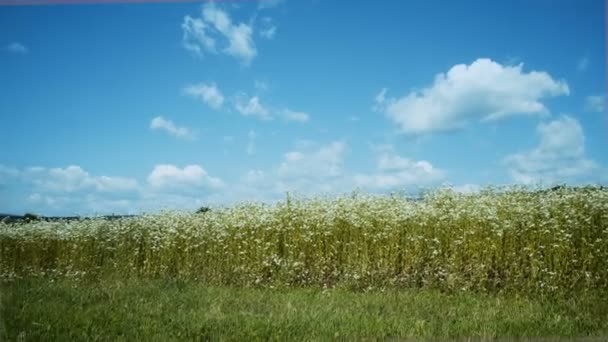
(68,310)
(499,263)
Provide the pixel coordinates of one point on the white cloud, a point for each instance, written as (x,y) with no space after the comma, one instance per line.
(99,205)
(483,90)
(241,45)
(167,176)
(74,191)
(595,103)
(69,179)
(159,123)
(39,199)
(35,169)
(88,204)
(394,171)
(74,179)
(254,185)
(115,184)
(251,107)
(558,157)
(154,201)
(291,115)
(17,48)
(325,162)
(583,63)
(310,169)
(199,32)
(268,32)
(380,100)
(208,93)
(195,37)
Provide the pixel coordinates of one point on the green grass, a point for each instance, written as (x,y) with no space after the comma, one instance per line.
(499,263)
(116,310)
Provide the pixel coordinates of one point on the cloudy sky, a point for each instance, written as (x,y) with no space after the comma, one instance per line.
(123,108)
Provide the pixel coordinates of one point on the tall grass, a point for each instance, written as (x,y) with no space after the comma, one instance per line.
(496,241)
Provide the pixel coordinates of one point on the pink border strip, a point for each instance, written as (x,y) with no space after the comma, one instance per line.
(92,2)
(606,66)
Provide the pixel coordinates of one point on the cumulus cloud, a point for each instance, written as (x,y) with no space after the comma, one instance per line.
(17,48)
(89,204)
(253,185)
(379,100)
(115,184)
(74,179)
(69,179)
(167,175)
(195,37)
(72,190)
(57,189)
(324,162)
(160,123)
(312,169)
(558,157)
(595,103)
(240,43)
(291,115)
(103,205)
(154,201)
(268,32)
(199,33)
(251,106)
(394,171)
(483,90)
(208,93)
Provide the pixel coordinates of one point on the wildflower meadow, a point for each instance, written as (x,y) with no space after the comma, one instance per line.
(498,242)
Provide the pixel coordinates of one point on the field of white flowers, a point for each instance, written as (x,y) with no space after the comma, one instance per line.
(499,240)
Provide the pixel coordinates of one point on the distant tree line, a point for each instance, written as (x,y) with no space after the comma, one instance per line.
(29,217)
(565,187)
(7,218)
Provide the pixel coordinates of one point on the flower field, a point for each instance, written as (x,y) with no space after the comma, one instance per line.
(497,241)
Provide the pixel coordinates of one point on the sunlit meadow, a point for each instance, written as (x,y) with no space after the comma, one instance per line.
(499,240)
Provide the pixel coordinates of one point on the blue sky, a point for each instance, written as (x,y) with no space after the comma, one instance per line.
(123,108)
